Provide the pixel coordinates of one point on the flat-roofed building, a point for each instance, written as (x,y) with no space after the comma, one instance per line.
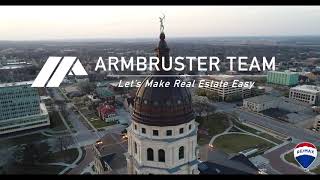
(20,108)
(285,78)
(259,103)
(264,102)
(305,93)
(229,91)
(317,123)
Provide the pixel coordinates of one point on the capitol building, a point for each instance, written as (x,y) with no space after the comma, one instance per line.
(162,138)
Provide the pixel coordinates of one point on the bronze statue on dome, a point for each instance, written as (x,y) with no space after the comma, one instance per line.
(161,23)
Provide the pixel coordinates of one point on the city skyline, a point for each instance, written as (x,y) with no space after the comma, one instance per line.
(117,22)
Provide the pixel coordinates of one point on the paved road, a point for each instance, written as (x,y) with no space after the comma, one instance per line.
(84,136)
(277,163)
(281,127)
(298,134)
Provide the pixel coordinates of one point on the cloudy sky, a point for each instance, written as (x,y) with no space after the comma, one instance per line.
(85,22)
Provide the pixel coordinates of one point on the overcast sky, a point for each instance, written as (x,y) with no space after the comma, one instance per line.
(79,22)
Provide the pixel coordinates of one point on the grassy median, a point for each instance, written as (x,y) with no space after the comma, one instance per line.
(235,143)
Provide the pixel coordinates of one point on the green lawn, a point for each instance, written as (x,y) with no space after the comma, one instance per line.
(316,170)
(234,143)
(23,139)
(100,124)
(96,121)
(67,156)
(259,133)
(271,138)
(290,158)
(216,123)
(202,140)
(244,127)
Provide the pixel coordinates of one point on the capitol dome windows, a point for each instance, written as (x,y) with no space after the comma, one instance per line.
(169,133)
(161,155)
(155,133)
(135,148)
(181,130)
(181,152)
(150,154)
(143,130)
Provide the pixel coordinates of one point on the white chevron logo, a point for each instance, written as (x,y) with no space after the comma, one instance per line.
(56,68)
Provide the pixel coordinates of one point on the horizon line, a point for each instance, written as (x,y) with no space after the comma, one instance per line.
(147,38)
(186,75)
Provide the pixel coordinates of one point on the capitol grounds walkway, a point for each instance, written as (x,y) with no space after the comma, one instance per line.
(274,155)
(88,158)
(78,146)
(242,132)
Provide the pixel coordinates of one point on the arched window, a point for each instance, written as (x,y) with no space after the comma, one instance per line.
(135,148)
(150,154)
(181,152)
(162,156)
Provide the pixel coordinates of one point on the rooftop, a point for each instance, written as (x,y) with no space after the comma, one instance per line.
(221,77)
(16,84)
(261,99)
(221,163)
(103,92)
(284,72)
(308,88)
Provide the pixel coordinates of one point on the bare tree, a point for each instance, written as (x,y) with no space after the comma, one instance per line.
(64,143)
(200,104)
(86,86)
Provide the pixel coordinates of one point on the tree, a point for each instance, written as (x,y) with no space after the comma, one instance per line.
(201,92)
(212,95)
(64,110)
(86,86)
(64,143)
(234,97)
(28,154)
(200,104)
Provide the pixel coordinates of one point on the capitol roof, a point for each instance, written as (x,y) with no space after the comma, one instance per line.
(162,106)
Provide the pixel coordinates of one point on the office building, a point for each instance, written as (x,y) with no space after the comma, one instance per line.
(228,92)
(317,123)
(305,93)
(20,108)
(285,78)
